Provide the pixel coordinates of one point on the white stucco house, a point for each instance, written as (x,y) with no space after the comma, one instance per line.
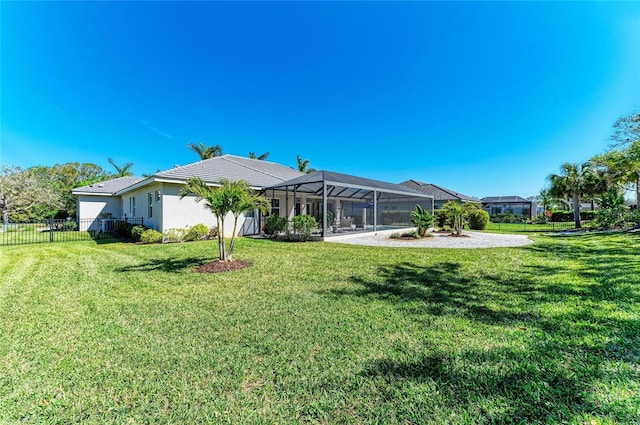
(156,199)
(350,203)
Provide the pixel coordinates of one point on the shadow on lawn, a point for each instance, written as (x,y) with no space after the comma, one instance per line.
(168,265)
(563,353)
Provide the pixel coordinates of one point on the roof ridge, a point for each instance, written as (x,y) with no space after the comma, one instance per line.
(254,169)
(191,164)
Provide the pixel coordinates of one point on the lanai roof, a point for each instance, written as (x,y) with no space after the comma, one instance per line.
(505,199)
(344,185)
(439,193)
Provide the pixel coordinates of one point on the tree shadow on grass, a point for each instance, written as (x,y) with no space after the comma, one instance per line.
(573,343)
(167,265)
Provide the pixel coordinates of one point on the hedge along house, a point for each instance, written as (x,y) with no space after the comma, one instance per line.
(441,195)
(156,199)
(343,203)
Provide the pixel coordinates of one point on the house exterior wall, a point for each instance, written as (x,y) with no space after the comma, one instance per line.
(136,204)
(91,206)
(186,212)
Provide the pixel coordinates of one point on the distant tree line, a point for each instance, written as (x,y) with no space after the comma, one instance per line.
(43,192)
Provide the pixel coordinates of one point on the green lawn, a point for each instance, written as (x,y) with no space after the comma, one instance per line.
(322,333)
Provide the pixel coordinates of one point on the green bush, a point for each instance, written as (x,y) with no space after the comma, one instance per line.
(136,232)
(304,226)
(122,229)
(478,219)
(275,224)
(197,233)
(440,218)
(151,236)
(614,217)
(422,219)
(561,216)
(174,235)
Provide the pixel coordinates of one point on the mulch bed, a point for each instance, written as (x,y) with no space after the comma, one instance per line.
(223,266)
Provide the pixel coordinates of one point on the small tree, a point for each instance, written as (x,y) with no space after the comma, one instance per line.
(233,197)
(458,213)
(422,219)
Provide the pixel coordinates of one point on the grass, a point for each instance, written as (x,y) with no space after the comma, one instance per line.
(322,333)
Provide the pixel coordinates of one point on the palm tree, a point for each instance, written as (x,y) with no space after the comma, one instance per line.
(262,157)
(574,181)
(233,197)
(303,164)
(123,171)
(204,151)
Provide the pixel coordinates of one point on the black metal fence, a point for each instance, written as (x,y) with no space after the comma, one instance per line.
(539,227)
(64,230)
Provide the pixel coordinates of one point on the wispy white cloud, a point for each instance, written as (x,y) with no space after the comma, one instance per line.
(155,129)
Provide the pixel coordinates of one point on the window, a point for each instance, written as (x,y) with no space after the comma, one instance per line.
(150,204)
(250,214)
(157,196)
(275,206)
(132,205)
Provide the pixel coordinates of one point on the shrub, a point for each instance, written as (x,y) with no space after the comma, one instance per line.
(275,224)
(478,219)
(541,219)
(66,226)
(151,236)
(197,233)
(136,232)
(614,217)
(304,226)
(560,216)
(422,219)
(213,232)
(440,218)
(122,229)
(174,235)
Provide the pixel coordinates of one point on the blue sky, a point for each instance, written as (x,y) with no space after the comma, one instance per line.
(486,98)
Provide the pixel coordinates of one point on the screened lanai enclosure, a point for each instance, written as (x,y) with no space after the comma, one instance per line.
(344,204)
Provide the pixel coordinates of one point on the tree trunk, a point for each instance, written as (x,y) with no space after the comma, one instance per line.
(223,254)
(576,210)
(233,238)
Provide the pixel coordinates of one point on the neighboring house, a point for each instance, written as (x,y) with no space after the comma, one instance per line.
(441,195)
(350,203)
(516,205)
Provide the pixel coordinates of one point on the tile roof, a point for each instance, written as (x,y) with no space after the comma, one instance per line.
(439,193)
(108,187)
(255,172)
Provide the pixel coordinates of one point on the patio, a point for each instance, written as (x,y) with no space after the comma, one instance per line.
(346,204)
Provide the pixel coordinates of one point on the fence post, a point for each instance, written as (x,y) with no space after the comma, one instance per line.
(51,230)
